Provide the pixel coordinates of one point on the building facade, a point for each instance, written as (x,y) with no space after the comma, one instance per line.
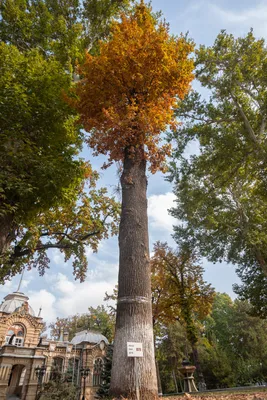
(28,359)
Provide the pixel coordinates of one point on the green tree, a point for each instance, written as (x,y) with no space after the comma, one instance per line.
(239,337)
(172,347)
(97,319)
(252,289)
(61,29)
(103,391)
(43,198)
(216,365)
(221,190)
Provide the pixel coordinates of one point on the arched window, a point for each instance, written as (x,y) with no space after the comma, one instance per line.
(15,335)
(73,370)
(98,366)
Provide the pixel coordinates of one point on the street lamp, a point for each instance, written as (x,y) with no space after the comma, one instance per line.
(40,372)
(84,373)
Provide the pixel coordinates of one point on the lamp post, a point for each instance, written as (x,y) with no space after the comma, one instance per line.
(40,372)
(84,373)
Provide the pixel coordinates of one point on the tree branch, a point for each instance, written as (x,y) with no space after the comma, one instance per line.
(248,126)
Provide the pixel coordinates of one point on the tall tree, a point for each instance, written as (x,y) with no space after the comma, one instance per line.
(221,190)
(125,99)
(43,199)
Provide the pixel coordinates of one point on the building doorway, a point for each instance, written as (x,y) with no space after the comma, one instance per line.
(16,382)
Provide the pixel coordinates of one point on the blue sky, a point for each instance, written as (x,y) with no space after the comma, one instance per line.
(57,292)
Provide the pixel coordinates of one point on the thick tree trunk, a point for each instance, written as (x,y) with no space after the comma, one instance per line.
(201,380)
(6,233)
(134,308)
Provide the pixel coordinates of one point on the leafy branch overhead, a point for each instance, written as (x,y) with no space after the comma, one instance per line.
(43,189)
(85,220)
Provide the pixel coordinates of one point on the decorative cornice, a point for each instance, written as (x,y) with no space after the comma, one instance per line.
(18,315)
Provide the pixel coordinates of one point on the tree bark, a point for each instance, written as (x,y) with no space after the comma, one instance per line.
(7,233)
(134,308)
(201,380)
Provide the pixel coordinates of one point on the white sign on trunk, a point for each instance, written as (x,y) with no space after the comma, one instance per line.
(134,349)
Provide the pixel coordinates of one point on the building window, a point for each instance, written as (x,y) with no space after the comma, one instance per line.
(58,363)
(18,342)
(73,370)
(98,366)
(56,369)
(15,335)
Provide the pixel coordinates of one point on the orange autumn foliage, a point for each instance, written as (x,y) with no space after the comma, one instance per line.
(127,93)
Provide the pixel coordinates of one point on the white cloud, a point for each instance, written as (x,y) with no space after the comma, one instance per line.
(26,282)
(158,206)
(45,300)
(57,257)
(251,17)
(86,294)
(8,287)
(67,297)
(258,12)
(64,286)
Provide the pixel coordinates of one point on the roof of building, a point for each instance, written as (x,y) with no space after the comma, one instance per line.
(89,337)
(14,301)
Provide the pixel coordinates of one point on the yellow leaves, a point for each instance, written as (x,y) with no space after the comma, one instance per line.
(178,287)
(127,93)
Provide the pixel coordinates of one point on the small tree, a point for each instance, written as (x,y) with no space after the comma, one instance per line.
(103,391)
(189,298)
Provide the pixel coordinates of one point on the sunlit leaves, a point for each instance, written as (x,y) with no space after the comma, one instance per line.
(178,289)
(127,93)
(89,216)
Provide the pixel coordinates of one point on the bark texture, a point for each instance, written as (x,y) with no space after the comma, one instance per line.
(7,233)
(134,308)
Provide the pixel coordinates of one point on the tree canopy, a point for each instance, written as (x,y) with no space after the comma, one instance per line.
(231,347)
(179,291)
(253,288)
(48,195)
(121,103)
(97,319)
(61,29)
(221,190)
